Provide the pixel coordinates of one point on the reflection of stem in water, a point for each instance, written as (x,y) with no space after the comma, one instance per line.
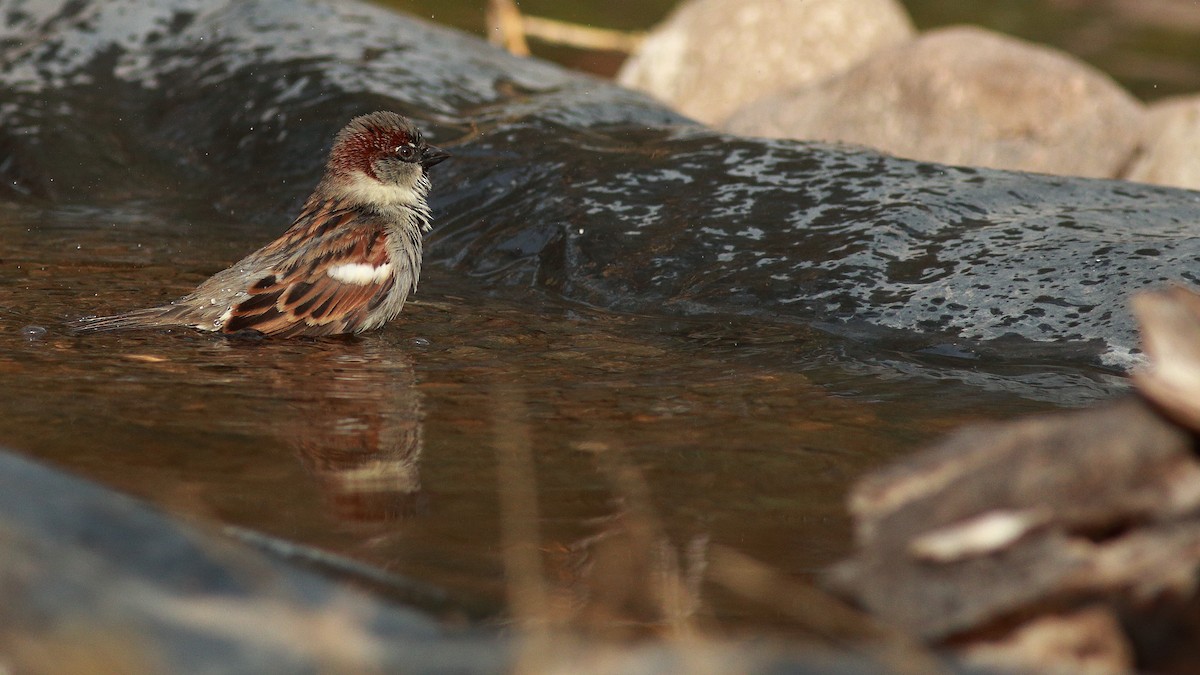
(674,582)
(657,584)
(360,433)
(818,612)
(520,537)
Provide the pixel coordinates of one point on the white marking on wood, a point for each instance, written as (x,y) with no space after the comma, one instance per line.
(360,274)
(978,536)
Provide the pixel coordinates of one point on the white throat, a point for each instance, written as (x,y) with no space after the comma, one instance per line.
(402,204)
(361,188)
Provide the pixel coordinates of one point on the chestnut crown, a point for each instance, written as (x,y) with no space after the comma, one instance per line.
(381,149)
(373,141)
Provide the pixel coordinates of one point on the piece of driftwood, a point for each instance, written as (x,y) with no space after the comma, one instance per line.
(1067,541)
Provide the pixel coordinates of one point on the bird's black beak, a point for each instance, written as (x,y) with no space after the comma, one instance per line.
(433,155)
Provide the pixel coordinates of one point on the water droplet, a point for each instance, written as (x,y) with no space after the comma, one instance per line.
(421,342)
(33,332)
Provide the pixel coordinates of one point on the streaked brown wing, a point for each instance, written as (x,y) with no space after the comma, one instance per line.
(327,293)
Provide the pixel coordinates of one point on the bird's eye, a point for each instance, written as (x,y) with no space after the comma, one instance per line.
(408,153)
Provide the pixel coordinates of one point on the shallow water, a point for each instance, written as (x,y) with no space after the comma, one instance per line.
(403,448)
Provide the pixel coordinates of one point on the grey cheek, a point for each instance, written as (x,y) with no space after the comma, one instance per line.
(397,172)
(384,169)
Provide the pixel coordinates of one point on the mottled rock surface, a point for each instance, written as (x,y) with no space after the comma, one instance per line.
(710,57)
(965,96)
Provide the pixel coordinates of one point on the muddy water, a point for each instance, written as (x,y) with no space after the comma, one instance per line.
(397,448)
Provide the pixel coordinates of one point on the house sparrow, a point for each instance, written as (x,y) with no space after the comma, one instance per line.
(347,263)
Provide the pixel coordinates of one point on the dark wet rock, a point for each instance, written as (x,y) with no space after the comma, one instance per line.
(574,185)
(711,57)
(1075,530)
(965,96)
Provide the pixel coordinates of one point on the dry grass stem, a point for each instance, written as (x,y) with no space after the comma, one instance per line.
(581,37)
(508,28)
(504,26)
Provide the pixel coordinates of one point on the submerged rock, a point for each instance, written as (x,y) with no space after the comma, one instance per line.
(576,185)
(95,581)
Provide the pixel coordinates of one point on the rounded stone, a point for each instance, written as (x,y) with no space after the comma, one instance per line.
(967,96)
(1171,149)
(711,57)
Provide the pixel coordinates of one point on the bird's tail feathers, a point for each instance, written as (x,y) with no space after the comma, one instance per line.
(139,318)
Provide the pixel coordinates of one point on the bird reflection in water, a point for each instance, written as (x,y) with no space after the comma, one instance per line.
(359,431)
